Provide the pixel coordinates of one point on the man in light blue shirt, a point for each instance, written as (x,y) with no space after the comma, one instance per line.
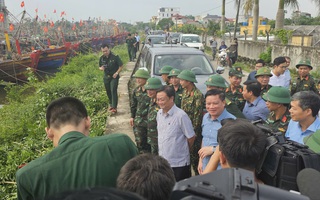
(175,133)
(211,123)
(287,73)
(304,110)
(255,107)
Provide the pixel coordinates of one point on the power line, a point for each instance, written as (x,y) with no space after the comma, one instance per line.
(215,7)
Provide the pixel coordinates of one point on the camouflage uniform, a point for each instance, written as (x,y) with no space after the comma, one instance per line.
(265,89)
(236,97)
(139,111)
(280,124)
(193,106)
(131,49)
(152,126)
(304,84)
(178,96)
(233,109)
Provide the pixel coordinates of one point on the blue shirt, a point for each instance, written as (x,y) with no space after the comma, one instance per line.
(252,75)
(210,129)
(174,130)
(256,110)
(295,133)
(287,78)
(137,38)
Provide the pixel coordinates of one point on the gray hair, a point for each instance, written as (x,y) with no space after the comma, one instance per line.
(308,99)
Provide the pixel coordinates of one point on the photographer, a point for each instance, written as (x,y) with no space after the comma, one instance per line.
(112,65)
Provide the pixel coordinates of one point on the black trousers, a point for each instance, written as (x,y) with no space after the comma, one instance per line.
(181,173)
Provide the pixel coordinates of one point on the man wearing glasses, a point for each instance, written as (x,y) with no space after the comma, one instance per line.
(279,67)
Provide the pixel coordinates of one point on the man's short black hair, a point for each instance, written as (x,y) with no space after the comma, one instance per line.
(104,45)
(254,87)
(279,60)
(242,143)
(65,110)
(213,92)
(261,61)
(168,90)
(147,175)
(129,34)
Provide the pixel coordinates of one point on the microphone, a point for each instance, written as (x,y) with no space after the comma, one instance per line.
(308,181)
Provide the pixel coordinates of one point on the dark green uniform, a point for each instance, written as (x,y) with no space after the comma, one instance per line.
(77,162)
(131,48)
(178,96)
(111,64)
(152,126)
(265,89)
(139,111)
(280,124)
(193,106)
(236,97)
(233,109)
(304,84)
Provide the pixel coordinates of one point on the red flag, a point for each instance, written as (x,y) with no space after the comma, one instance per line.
(11,27)
(45,16)
(51,24)
(81,23)
(74,27)
(36,10)
(54,11)
(1,17)
(72,19)
(62,13)
(22,4)
(45,29)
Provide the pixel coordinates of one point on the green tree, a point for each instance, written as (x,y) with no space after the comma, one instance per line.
(253,5)
(165,24)
(280,12)
(190,17)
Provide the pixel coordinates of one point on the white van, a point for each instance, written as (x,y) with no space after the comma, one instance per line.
(191,40)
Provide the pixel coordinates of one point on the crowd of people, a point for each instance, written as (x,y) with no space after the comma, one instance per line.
(172,133)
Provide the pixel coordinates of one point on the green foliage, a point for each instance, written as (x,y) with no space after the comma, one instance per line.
(165,24)
(266,55)
(22,135)
(189,28)
(272,23)
(284,35)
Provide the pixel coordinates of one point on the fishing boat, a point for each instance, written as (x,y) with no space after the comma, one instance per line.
(52,58)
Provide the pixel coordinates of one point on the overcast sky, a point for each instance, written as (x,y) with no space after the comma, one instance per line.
(139,10)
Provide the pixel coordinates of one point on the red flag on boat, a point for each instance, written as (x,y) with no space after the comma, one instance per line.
(36,10)
(22,4)
(72,19)
(81,23)
(45,29)
(1,17)
(54,11)
(74,27)
(51,24)
(45,16)
(62,13)
(11,27)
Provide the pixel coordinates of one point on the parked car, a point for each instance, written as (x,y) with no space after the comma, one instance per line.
(191,40)
(156,39)
(180,57)
(174,37)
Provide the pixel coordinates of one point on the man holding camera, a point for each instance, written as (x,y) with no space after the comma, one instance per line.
(112,65)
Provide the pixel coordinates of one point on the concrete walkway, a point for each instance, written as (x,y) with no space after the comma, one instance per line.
(119,123)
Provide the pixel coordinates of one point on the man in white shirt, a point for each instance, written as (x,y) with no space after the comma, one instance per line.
(279,66)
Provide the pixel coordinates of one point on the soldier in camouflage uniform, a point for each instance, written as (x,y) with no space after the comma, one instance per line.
(278,99)
(139,111)
(131,41)
(263,76)
(304,81)
(216,81)
(164,71)
(151,86)
(234,91)
(192,103)
(175,83)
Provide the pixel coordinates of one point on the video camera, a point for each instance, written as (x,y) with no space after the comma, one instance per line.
(228,184)
(283,159)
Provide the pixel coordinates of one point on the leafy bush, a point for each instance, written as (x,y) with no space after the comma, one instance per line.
(266,55)
(22,135)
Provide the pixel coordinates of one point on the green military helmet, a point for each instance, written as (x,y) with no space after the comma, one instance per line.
(236,71)
(188,75)
(153,83)
(142,73)
(263,71)
(216,80)
(166,69)
(304,63)
(278,94)
(174,72)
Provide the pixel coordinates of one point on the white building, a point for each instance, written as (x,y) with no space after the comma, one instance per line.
(167,12)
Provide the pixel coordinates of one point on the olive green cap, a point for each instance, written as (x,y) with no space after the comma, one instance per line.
(216,80)
(153,83)
(188,75)
(174,72)
(313,141)
(304,63)
(263,71)
(141,73)
(166,69)
(236,71)
(278,94)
